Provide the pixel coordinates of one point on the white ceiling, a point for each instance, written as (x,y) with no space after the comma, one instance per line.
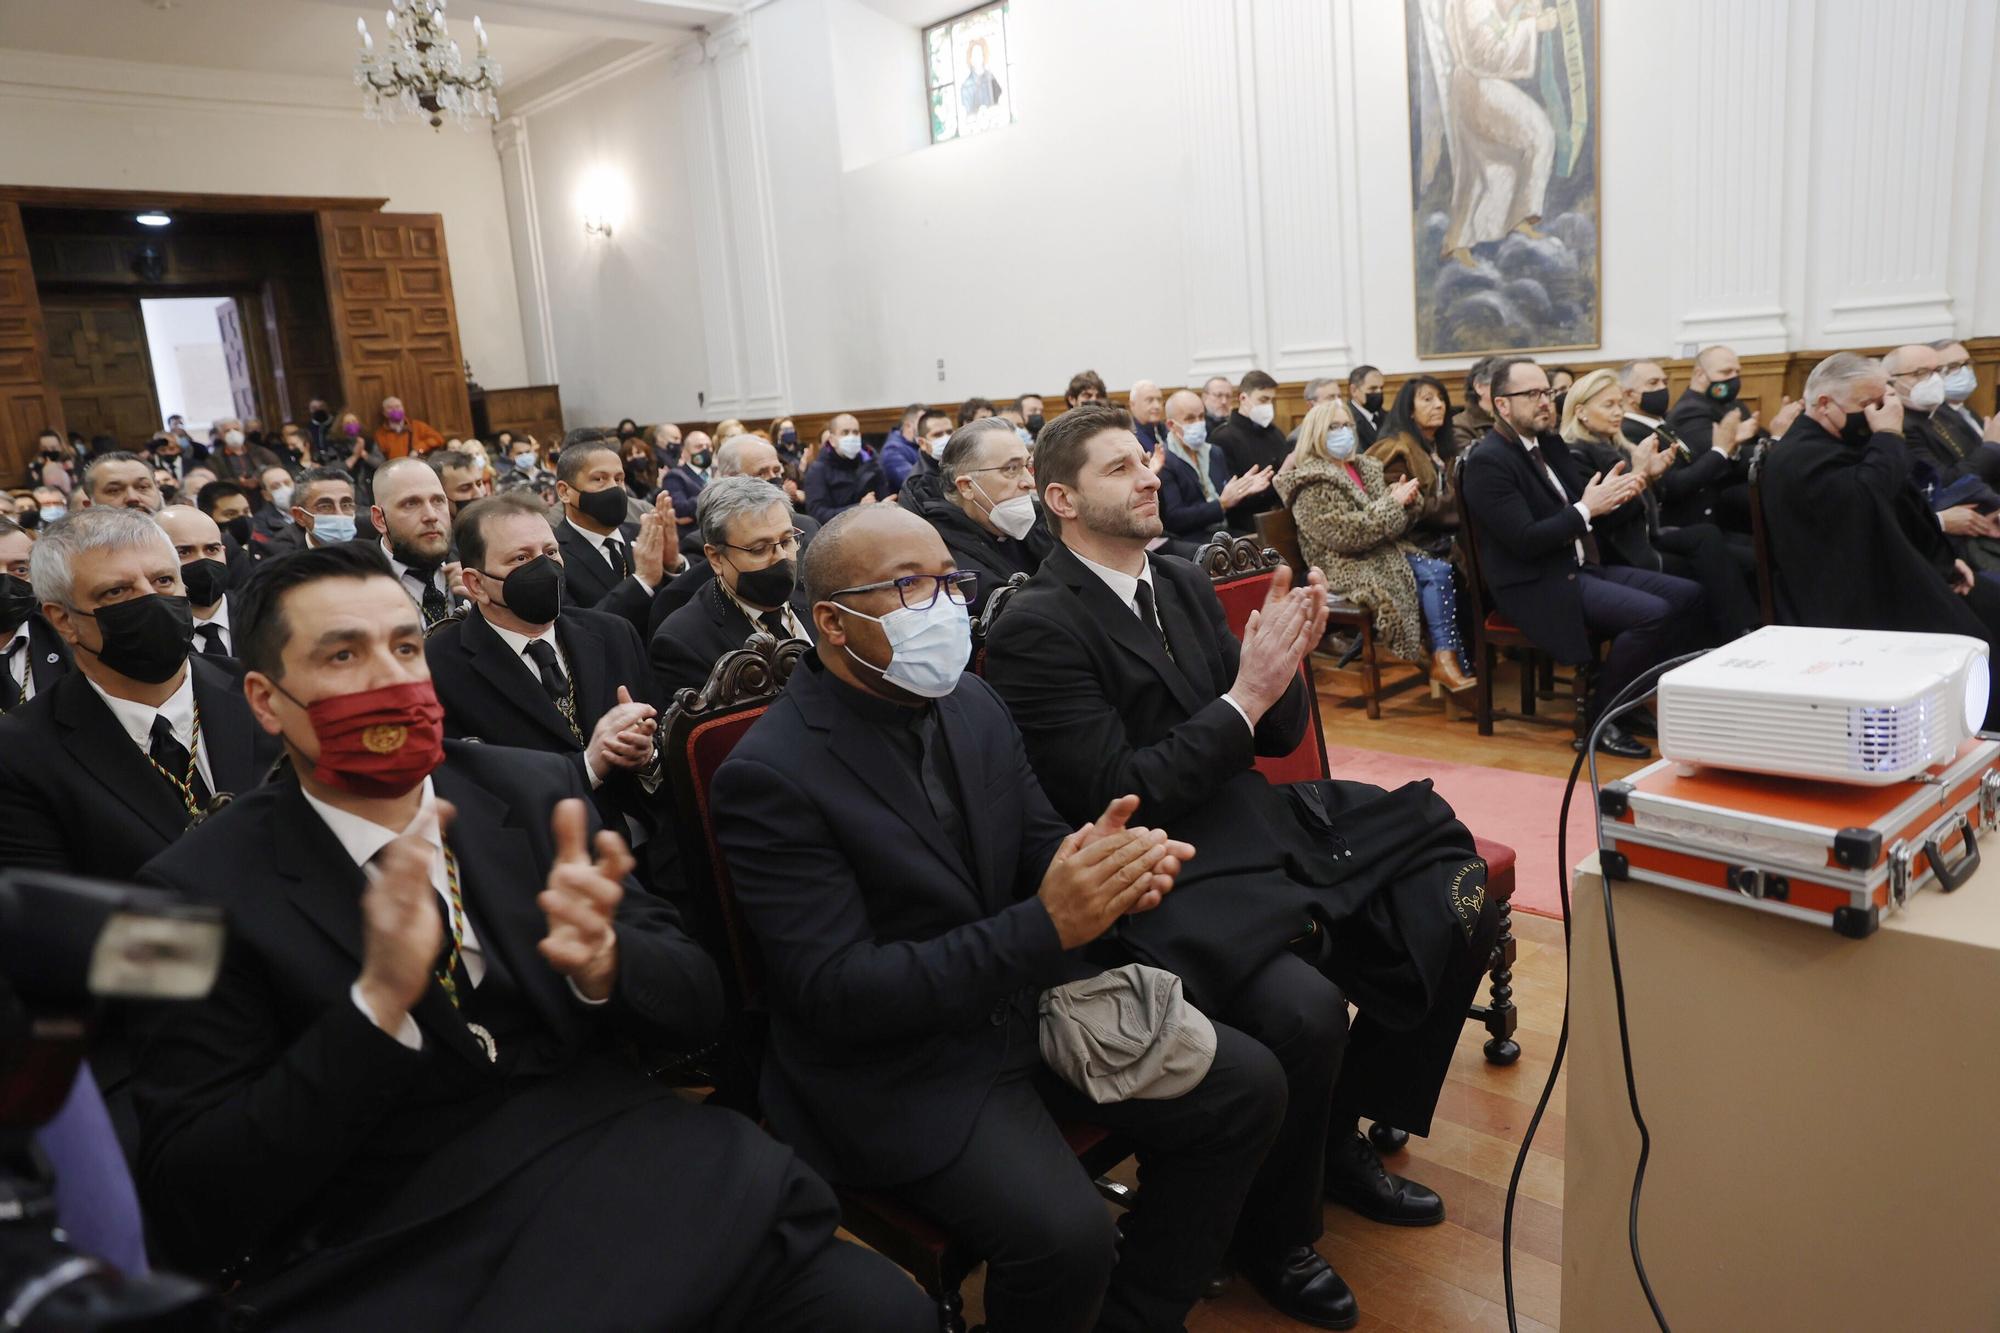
(316,38)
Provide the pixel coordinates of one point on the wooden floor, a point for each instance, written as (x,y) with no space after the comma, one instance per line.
(1448,1277)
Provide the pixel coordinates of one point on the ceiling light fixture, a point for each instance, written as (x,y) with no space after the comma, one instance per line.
(419,71)
(154,220)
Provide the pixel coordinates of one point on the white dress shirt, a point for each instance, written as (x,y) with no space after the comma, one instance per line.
(1125,587)
(518,643)
(413,582)
(137,720)
(597,542)
(20,684)
(1555,484)
(794,627)
(220,619)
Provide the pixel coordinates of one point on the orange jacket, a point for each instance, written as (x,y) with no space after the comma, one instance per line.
(416,437)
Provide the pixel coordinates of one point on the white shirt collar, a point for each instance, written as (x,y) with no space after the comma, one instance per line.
(593,538)
(403,571)
(1643,419)
(1125,587)
(20,632)
(518,645)
(221,615)
(362,838)
(137,718)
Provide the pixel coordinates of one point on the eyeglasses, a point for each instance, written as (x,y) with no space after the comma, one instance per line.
(1539,395)
(1953,367)
(1012,471)
(918,591)
(765,550)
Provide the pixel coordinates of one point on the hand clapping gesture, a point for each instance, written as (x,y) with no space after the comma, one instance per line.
(1278,636)
(581,902)
(402,930)
(1106,870)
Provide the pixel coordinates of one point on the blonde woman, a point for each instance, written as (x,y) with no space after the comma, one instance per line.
(1351,524)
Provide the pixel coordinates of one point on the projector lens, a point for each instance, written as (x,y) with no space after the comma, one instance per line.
(1978,686)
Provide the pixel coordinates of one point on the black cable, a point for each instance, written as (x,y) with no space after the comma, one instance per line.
(1622,703)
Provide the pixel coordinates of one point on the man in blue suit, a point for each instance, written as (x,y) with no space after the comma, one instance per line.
(1196,490)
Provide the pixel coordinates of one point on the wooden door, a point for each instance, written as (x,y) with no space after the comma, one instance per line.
(100,367)
(395,325)
(28,405)
(236,360)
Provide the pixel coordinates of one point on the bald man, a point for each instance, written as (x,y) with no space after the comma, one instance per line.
(1149,411)
(914,893)
(205,574)
(1708,416)
(413,514)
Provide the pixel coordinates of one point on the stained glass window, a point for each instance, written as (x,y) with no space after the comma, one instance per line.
(969,71)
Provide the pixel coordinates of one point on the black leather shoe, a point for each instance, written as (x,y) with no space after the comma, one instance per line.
(1355,1179)
(1639,722)
(1614,740)
(1301,1285)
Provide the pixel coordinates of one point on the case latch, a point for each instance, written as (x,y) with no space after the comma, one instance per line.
(1989,800)
(1901,857)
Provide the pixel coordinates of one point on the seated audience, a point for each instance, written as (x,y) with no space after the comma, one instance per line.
(683,484)
(205,576)
(1980,439)
(1029,405)
(665,440)
(1218,398)
(34,655)
(1364,403)
(410,1107)
(273,514)
(111,762)
(1086,386)
(842,476)
(399,435)
(642,472)
(462,474)
(1149,414)
(1321,389)
(752,545)
(982,503)
(1560,380)
(414,517)
(1196,491)
(1351,522)
(904,969)
(1708,416)
(323,512)
(228,503)
(120,479)
(51,504)
(1536,510)
(902,450)
(170,455)
(1414,441)
(1593,421)
(240,459)
(1471,422)
(1250,441)
(744,456)
(608,563)
(1645,385)
(1854,544)
(1121,672)
(975,409)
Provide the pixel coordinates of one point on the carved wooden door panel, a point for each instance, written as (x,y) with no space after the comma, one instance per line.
(236,360)
(28,405)
(100,366)
(395,324)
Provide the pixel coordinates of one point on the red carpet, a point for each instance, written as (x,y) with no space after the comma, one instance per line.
(1518,809)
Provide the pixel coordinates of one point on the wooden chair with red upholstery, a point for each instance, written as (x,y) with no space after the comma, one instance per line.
(698,733)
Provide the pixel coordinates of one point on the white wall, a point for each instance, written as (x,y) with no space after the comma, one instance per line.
(189,369)
(1207,185)
(62,123)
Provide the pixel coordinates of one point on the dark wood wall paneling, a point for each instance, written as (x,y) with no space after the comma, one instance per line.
(28,406)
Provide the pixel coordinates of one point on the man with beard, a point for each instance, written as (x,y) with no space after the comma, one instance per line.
(413,515)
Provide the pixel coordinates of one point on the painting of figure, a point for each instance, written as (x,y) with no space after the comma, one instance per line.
(1503,155)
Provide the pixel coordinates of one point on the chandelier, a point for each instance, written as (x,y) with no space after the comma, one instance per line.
(419,71)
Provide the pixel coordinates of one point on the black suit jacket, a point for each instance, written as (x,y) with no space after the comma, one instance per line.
(1527,539)
(275,1113)
(1691,488)
(688,643)
(995,559)
(588,581)
(1183,509)
(49,658)
(891,962)
(1246,445)
(681,588)
(77,795)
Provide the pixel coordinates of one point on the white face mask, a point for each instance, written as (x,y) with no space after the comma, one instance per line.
(232,438)
(1262,413)
(928,649)
(282,497)
(1928,395)
(1013,516)
(1958,385)
(848,446)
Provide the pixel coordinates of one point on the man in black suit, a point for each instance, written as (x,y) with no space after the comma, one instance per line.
(1708,415)
(406,1102)
(119,480)
(1251,441)
(753,548)
(982,503)
(1122,674)
(1533,507)
(1980,439)
(205,575)
(1364,404)
(609,564)
(413,514)
(1197,494)
(34,655)
(737,456)
(683,483)
(323,512)
(111,762)
(914,894)
(520,668)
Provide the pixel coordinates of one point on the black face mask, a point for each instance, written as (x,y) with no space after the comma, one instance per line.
(322,416)
(533,591)
(239,528)
(701,458)
(17,601)
(771,586)
(1373,401)
(1724,391)
(788,439)
(1653,402)
(146,638)
(1561,398)
(1034,424)
(606,507)
(205,581)
(1856,430)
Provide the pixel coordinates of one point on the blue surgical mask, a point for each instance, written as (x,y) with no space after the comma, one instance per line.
(329,529)
(1195,434)
(1026,438)
(928,649)
(1340,442)
(1958,385)
(50,513)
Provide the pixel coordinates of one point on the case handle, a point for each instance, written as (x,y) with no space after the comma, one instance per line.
(1950,877)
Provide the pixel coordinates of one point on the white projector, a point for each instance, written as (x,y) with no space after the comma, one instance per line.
(1864,706)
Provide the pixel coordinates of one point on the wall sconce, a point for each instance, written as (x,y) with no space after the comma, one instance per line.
(597,223)
(602,199)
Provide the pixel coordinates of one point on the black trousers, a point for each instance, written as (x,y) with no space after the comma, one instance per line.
(1646,615)
(1054,1263)
(1726,570)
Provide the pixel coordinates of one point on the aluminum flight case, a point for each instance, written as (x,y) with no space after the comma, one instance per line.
(1826,852)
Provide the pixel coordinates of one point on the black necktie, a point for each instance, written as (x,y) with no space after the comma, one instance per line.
(1147,613)
(211,640)
(774,625)
(435,604)
(1589,538)
(544,654)
(620,558)
(10,693)
(172,756)
(934,765)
